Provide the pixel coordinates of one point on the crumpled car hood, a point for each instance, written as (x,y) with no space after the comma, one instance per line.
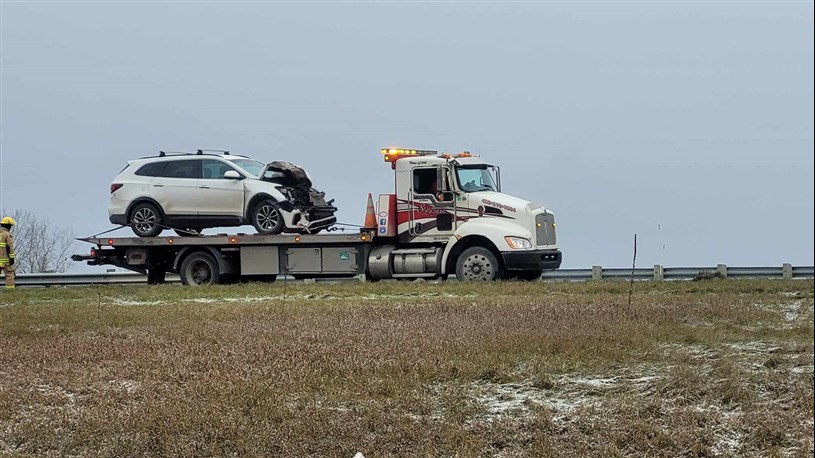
(287,174)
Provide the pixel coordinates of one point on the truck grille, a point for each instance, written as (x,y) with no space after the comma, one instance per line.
(545,229)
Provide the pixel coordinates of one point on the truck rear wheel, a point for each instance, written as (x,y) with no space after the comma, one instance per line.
(199,269)
(477,264)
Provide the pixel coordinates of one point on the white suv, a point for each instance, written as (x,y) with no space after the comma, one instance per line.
(189,192)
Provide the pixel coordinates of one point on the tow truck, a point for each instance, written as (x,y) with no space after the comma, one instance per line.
(446,215)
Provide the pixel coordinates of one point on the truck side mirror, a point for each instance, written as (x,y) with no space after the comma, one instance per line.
(446,196)
(441,179)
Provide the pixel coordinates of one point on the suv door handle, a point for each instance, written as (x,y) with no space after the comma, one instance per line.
(204,187)
(158,185)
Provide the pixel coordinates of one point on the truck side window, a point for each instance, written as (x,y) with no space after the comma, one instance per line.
(424,181)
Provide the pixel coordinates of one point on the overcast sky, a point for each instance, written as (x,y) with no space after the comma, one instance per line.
(688,123)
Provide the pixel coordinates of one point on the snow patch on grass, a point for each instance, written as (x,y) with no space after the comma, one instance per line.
(320,297)
(754,347)
(132,303)
(516,401)
(793,311)
(128,386)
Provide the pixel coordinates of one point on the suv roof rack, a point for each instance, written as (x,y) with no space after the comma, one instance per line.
(223,152)
(198,152)
(202,151)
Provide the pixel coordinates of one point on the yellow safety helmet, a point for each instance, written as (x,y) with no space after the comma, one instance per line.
(8,220)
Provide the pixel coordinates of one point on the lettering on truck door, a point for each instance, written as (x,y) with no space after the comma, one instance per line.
(427,214)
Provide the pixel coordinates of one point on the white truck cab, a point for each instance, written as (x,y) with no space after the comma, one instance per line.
(451,208)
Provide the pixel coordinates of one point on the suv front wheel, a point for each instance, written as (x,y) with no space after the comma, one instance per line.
(267,217)
(145,220)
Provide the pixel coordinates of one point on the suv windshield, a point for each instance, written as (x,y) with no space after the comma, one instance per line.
(251,166)
(474,178)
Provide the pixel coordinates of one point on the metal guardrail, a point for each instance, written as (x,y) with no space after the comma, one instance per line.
(658,272)
(69,279)
(785,271)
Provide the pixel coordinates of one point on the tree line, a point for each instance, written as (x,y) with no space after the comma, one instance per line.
(39,245)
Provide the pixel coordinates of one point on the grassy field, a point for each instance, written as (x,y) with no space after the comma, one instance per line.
(709,368)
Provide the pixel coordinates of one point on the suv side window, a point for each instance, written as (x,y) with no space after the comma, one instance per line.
(182,169)
(151,170)
(215,170)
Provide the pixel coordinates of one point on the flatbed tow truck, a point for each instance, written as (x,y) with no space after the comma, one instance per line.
(447,215)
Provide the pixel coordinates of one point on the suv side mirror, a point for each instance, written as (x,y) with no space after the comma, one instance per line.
(233,175)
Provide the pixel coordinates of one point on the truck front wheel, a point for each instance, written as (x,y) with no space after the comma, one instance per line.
(199,269)
(477,264)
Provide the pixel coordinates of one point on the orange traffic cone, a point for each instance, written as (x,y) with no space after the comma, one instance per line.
(370,214)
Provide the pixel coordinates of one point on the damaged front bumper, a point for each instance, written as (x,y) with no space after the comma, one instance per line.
(313,219)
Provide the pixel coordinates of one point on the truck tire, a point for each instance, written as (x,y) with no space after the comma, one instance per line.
(477,264)
(199,269)
(145,220)
(267,217)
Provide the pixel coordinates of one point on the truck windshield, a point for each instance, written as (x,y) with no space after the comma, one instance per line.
(249,165)
(474,178)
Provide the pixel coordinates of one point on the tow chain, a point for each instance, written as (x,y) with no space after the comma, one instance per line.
(109,230)
(191,233)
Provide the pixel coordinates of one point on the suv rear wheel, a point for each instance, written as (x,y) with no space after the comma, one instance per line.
(267,217)
(145,220)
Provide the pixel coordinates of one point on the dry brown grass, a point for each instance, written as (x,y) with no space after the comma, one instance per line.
(720,368)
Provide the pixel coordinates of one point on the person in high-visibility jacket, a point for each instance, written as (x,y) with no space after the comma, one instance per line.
(7,251)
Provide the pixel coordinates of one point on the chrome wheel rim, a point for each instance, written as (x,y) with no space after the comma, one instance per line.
(144,220)
(267,218)
(477,267)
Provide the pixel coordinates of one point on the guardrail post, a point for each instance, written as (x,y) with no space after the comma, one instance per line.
(596,272)
(721,269)
(787,271)
(659,272)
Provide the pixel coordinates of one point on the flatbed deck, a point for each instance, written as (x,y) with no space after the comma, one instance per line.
(364,236)
(210,259)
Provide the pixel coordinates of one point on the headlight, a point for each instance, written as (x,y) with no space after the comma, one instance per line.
(518,242)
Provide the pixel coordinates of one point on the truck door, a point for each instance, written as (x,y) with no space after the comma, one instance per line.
(432,208)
